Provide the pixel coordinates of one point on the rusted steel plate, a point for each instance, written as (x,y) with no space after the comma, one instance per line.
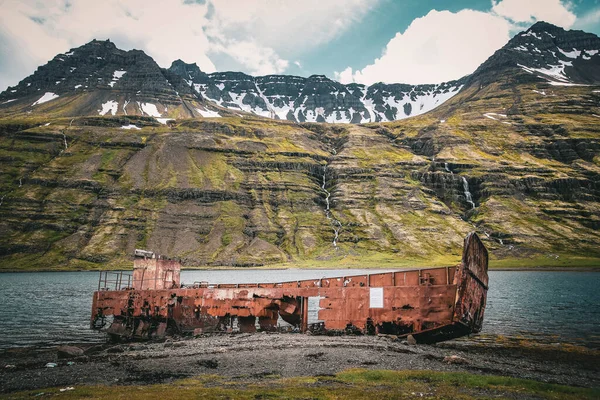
(472,280)
(440,301)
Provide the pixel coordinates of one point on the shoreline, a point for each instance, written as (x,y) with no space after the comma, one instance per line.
(267,268)
(261,356)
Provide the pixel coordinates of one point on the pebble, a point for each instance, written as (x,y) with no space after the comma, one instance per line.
(69,351)
(115,349)
(454,359)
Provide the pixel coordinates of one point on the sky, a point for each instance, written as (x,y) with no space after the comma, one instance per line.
(363,41)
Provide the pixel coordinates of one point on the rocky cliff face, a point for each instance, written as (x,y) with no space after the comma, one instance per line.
(316,98)
(100,79)
(546,52)
(516,158)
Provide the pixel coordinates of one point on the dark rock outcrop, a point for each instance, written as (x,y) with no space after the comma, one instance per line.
(316,98)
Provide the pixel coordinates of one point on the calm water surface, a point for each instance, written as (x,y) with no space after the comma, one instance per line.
(47,308)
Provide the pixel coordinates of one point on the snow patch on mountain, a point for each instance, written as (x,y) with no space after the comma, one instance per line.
(553,71)
(208,113)
(566,84)
(150,109)
(532,34)
(300,104)
(110,106)
(48,96)
(574,54)
(116,76)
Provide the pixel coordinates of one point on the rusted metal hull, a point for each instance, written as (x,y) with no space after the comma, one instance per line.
(431,304)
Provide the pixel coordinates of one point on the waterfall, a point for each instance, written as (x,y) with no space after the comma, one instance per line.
(448,169)
(467,193)
(65,136)
(337,225)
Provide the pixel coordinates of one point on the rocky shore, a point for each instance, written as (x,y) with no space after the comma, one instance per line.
(255,357)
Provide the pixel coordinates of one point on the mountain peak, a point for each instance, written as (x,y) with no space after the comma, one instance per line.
(541,26)
(318,77)
(547,52)
(179,61)
(98,78)
(124,80)
(96,45)
(189,72)
(97,42)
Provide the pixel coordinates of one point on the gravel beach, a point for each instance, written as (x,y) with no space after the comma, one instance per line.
(255,356)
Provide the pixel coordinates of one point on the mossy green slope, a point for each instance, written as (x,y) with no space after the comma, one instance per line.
(248,191)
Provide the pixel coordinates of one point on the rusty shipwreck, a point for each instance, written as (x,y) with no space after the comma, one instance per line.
(431,304)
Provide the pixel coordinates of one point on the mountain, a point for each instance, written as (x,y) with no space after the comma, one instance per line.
(546,52)
(100,79)
(514,155)
(316,98)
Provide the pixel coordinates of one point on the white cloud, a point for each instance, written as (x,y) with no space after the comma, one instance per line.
(287,27)
(260,35)
(345,76)
(556,12)
(258,60)
(438,47)
(443,45)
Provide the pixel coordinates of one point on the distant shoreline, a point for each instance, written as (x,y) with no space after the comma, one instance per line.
(266,268)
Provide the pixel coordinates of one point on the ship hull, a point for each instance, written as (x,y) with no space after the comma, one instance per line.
(431,304)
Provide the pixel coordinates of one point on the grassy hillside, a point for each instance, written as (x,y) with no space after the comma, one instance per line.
(248,191)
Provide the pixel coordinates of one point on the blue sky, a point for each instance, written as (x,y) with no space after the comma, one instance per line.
(409,41)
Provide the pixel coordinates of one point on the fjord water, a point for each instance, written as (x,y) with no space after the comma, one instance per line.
(46,308)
